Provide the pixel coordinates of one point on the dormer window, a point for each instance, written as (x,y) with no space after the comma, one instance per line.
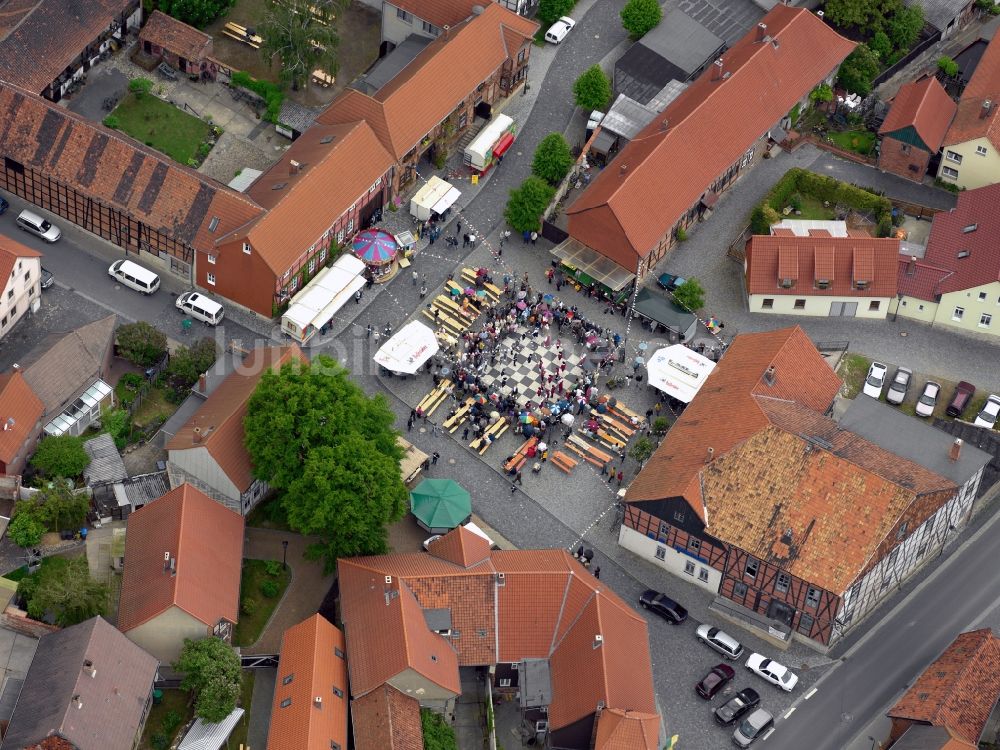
(964,253)
(861,284)
(246,248)
(822,283)
(970,228)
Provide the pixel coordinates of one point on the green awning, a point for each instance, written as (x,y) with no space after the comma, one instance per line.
(440,505)
(656,307)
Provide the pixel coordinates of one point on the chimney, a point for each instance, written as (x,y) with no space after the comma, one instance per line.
(9,424)
(956,450)
(294,167)
(710,455)
(769,375)
(761,31)
(166,561)
(444,31)
(911,267)
(196,438)
(78,701)
(202,383)
(623,169)
(985,110)
(717,70)
(15,367)
(318,701)
(598,640)
(664,124)
(92,672)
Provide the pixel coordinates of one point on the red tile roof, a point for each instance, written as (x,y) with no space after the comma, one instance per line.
(800,375)
(917,279)
(708,128)
(959,689)
(20,411)
(839,260)
(429,89)
(545,606)
(441,13)
(32,55)
(10,251)
(176,36)
(969,122)
(627,730)
(461,547)
(206,540)
(386,719)
(217,426)
(309,657)
(979,212)
(338,165)
(925,106)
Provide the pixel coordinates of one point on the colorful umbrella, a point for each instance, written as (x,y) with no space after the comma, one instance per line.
(440,505)
(521,305)
(375,246)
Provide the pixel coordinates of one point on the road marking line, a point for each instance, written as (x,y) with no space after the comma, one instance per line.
(810,694)
(789,712)
(769,733)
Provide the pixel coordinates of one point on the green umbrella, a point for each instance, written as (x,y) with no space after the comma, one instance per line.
(440,505)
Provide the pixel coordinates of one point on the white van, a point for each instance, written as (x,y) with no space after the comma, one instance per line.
(200,307)
(134,276)
(32,222)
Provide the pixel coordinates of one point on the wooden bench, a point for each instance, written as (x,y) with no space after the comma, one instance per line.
(446,321)
(452,308)
(563,462)
(628,415)
(495,430)
(445,338)
(240,34)
(610,440)
(624,429)
(461,414)
(469,275)
(590,452)
(519,458)
(326,80)
(476,304)
(434,398)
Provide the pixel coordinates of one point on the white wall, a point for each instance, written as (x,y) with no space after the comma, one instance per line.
(783,303)
(197,464)
(164,635)
(672,560)
(27,291)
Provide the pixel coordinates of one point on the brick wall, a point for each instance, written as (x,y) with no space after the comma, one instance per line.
(903,159)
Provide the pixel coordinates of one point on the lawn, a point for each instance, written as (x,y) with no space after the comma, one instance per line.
(239,736)
(17,575)
(174,704)
(161,126)
(859,141)
(813,208)
(853,370)
(154,405)
(256,574)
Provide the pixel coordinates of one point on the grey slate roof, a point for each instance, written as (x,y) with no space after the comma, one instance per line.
(296,116)
(142,489)
(106,463)
(111,698)
(923,737)
(384,70)
(910,438)
(939,13)
(627,117)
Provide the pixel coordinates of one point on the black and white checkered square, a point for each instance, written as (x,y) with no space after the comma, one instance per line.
(522,368)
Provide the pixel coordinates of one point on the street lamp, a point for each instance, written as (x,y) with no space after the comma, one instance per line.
(899,301)
(284,554)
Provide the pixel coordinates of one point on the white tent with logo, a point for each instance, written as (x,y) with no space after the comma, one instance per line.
(405,352)
(678,371)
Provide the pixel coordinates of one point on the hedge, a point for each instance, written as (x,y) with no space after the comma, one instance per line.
(272,94)
(821,188)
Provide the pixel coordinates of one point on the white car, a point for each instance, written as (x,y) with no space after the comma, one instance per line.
(875,380)
(777,674)
(558,31)
(988,416)
(928,399)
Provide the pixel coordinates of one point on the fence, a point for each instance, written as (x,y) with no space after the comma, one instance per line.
(912,55)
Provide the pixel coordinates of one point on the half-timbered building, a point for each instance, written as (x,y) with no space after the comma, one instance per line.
(756,494)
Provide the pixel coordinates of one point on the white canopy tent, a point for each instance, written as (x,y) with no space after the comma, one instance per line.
(405,352)
(678,371)
(436,196)
(205,736)
(321,298)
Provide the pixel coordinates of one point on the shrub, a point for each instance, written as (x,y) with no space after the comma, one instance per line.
(139,87)
(112,121)
(682,234)
(859,70)
(273,568)
(947,66)
(795,201)
(195,12)
(549,11)
(119,426)
(822,93)
(271,93)
(592,90)
(639,16)
(248,606)
(61,456)
(140,343)
(660,425)
(553,159)
(270,588)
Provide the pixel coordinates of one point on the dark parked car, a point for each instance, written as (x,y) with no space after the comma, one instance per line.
(963,395)
(669,282)
(4,205)
(737,707)
(47,278)
(664,606)
(714,681)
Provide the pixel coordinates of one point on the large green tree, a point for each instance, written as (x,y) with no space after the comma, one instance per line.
(303,34)
(592,90)
(194,12)
(314,434)
(690,295)
(904,27)
(186,365)
(527,203)
(639,16)
(61,456)
(859,70)
(212,670)
(846,13)
(57,507)
(550,11)
(25,530)
(553,159)
(140,343)
(63,587)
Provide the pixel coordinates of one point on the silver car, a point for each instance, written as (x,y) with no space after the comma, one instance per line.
(928,399)
(755,725)
(899,386)
(722,642)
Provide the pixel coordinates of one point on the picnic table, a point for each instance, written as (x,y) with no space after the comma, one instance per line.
(520,457)
(242,34)
(323,78)
(489,436)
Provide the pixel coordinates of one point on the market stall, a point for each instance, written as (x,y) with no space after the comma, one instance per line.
(656,308)
(379,252)
(678,371)
(408,349)
(314,307)
(433,199)
(491,144)
(584,266)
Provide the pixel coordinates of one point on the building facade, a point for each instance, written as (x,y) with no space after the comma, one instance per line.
(21,268)
(915,128)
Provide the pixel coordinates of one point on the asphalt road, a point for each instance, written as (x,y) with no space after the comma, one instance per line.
(877,669)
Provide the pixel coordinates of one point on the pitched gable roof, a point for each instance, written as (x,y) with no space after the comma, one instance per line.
(88,684)
(627,730)
(64,364)
(972,257)
(970,122)
(441,13)
(176,36)
(309,658)
(841,261)
(20,411)
(337,166)
(461,547)
(205,539)
(403,112)
(117,170)
(708,128)
(926,107)
(800,375)
(217,426)
(10,251)
(386,719)
(959,689)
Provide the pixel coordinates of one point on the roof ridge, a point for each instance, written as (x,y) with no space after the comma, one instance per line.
(576,618)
